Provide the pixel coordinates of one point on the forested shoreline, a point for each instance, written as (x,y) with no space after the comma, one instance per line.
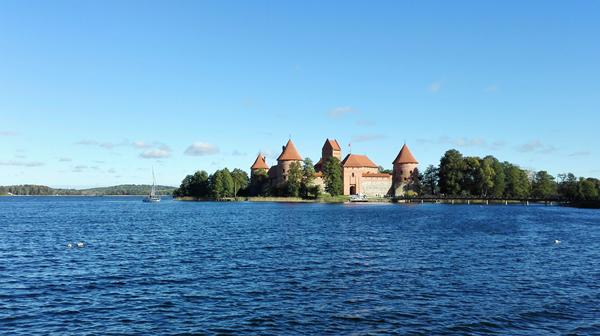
(118,190)
(488,177)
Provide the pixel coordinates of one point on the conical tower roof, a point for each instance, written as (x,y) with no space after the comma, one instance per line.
(289,153)
(260,163)
(405,156)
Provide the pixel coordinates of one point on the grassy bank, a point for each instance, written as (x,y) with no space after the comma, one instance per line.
(322,199)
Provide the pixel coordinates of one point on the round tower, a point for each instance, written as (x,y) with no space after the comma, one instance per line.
(289,155)
(404,166)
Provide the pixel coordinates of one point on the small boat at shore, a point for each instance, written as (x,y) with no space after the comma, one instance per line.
(153,197)
(358,198)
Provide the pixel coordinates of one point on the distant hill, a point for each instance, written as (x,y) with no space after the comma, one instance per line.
(123,189)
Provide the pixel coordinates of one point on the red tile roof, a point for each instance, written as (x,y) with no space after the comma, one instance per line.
(358,161)
(319,174)
(376,175)
(405,156)
(333,144)
(289,153)
(319,165)
(260,163)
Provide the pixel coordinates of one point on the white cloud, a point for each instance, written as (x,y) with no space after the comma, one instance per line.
(156,153)
(201,149)
(141,144)
(435,87)
(238,153)
(8,133)
(21,163)
(65,159)
(341,111)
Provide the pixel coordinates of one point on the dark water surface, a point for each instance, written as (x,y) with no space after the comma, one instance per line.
(236,268)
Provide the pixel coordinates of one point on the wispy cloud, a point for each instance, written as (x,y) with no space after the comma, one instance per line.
(435,86)
(201,149)
(238,153)
(15,163)
(341,111)
(536,146)
(8,133)
(365,122)
(106,144)
(65,159)
(581,153)
(464,142)
(491,88)
(80,168)
(368,137)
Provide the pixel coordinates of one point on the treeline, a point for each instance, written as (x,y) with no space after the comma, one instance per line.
(487,177)
(221,184)
(300,182)
(124,189)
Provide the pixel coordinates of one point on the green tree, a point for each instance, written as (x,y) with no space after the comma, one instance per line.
(451,172)
(471,176)
(217,186)
(308,179)
(198,185)
(499,180)
(543,185)
(487,176)
(587,189)
(259,184)
(568,187)
(227,183)
(430,181)
(240,180)
(517,182)
(332,172)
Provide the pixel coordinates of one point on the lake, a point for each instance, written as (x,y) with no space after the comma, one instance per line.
(277,268)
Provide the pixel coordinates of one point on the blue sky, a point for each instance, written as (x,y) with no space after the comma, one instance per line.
(95,93)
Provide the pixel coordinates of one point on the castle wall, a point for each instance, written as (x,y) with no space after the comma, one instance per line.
(376,186)
(352,178)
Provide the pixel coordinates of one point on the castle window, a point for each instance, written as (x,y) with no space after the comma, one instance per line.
(352,174)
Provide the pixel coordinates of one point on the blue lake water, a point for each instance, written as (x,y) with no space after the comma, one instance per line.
(272,268)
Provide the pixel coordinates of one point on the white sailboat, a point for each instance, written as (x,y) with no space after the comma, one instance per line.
(153,197)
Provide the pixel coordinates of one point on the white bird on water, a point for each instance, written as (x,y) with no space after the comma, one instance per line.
(556,241)
(80,244)
(69,245)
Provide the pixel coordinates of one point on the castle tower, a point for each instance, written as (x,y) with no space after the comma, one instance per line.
(331,148)
(259,165)
(289,155)
(404,166)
